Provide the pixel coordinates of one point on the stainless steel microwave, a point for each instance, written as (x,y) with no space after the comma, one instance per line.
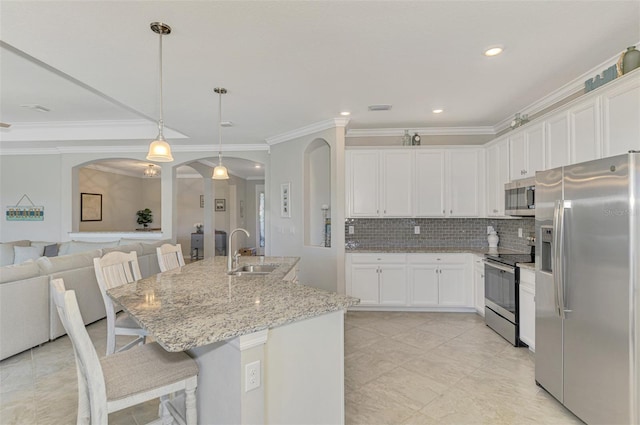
(520,197)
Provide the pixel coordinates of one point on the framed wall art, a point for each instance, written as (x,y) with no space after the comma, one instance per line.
(221,205)
(285,200)
(90,207)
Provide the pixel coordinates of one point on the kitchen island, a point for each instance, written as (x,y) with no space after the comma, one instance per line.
(269,350)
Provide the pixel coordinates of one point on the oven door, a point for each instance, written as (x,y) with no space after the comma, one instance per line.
(500,289)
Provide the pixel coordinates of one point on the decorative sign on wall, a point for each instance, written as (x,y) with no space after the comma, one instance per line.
(285,200)
(24,213)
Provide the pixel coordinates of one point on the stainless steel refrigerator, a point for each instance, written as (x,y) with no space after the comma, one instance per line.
(587,288)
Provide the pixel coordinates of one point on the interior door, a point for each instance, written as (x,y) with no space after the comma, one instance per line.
(596,291)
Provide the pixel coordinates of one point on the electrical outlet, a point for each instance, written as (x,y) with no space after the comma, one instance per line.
(252,376)
(520,232)
(352,230)
(416,230)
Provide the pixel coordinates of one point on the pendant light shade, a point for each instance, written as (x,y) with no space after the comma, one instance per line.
(220,172)
(159,149)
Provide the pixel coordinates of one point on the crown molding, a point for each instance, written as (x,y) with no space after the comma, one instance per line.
(569,89)
(127,149)
(424,131)
(86,130)
(307,130)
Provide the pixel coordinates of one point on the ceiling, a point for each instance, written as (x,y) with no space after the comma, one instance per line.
(288,65)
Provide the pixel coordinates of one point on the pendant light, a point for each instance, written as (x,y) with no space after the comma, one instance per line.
(150,171)
(220,172)
(159,149)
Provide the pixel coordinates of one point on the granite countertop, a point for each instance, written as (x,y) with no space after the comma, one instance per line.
(429,250)
(200,304)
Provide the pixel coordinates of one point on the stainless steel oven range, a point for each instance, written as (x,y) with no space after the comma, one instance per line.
(501,280)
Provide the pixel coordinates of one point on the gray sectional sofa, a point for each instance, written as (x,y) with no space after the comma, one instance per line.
(27,315)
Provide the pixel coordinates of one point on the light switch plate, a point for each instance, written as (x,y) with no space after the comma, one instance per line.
(352,230)
(416,230)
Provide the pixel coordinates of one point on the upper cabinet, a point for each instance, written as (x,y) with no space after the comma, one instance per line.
(557,140)
(584,133)
(412,182)
(621,118)
(526,151)
(497,160)
(380,183)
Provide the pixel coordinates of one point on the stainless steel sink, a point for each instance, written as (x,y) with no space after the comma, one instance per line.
(254,269)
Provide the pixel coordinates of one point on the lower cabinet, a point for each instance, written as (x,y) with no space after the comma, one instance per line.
(527,308)
(478,283)
(411,280)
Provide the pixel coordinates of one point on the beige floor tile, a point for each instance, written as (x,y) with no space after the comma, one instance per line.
(366,367)
(403,386)
(419,338)
(374,408)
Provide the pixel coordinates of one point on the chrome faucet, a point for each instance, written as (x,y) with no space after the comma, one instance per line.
(232,260)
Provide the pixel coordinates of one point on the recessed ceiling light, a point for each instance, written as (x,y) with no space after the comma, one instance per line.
(493,51)
(379,107)
(257,166)
(438,111)
(345,113)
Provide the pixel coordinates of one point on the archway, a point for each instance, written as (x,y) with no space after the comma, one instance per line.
(317,203)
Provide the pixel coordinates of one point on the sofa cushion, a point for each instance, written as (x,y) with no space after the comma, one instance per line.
(6,251)
(42,245)
(73,247)
(16,272)
(66,262)
(24,253)
(150,248)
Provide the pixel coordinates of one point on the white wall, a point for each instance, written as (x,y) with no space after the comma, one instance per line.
(37,176)
(320,267)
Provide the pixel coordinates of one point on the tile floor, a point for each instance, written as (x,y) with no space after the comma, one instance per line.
(400,368)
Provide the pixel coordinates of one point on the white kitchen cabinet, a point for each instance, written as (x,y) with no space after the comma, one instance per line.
(397,179)
(527,307)
(463,177)
(439,280)
(584,131)
(557,140)
(621,118)
(478,283)
(430,189)
(363,179)
(380,183)
(526,151)
(497,174)
(377,279)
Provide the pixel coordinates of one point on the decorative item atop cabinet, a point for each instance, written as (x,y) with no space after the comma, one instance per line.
(415,140)
(630,59)
(406,139)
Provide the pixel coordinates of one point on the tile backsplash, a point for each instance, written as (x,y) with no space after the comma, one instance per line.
(436,232)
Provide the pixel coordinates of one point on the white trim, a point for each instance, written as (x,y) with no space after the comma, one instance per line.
(128,149)
(255,339)
(309,129)
(87,130)
(425,131)
(572,87)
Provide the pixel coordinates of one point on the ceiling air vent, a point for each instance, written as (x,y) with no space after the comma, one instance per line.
(379,107)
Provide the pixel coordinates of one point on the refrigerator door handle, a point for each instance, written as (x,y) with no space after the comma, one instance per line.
(559,257)
(555,256)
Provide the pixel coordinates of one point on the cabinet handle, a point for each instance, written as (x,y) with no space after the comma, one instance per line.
(482,276)
(385,211)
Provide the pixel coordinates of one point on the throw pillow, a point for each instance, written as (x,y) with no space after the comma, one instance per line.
(51,250)
(24,253)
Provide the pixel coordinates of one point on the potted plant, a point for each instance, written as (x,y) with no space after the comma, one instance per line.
(145,217)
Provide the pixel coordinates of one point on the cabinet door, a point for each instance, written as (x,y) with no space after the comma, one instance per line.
(534,136)
(557,141)
(393,285)
(364,283)
(497,175)
(478,281)
(429,193)
(453,286)
(621,113)
(463,188)
(397,183)
(517,156)
(584,132)
(363,190)
(423,284)
(527,316)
